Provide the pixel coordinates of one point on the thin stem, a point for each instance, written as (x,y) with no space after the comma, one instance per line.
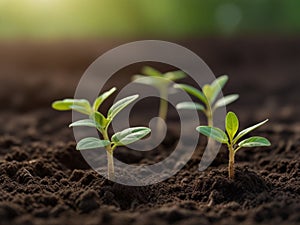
(231,162)
(109,154)
(209,116)
(110,165)
(210,123)
(163,107)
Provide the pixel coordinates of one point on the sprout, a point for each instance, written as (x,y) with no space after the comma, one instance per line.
(232,137)
(207,97)
(101,123)
(160,81)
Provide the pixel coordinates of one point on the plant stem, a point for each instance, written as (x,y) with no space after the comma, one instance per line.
(231,162)
(209,115)
(163,107)
(110,165)
(210,123)
(110,158)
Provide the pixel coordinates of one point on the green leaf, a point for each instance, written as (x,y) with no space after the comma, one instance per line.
(130,135)
(91,143)
(99,119)
(192,91)
(119,105)
(212,91)
(232,124)
(149,71)
(84,122)
(254,142)
(214,133)
(175,75)
(190,105)
(102,98)
(226,100)
(62,105)
(249,129)
(80,105)
(157,82)
(220,81)
(217,86)
(208,91)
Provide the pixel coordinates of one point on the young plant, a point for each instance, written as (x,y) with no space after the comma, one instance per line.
(231,138)
(207,97)
(101,123)
(160,81)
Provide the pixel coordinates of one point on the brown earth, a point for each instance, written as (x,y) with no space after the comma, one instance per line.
(43,180)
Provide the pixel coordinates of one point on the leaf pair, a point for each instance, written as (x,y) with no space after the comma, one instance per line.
(82,105)
(157,79)
(173,75)
(99,121)
(211,91)
(125,137)
(96,119)
(231,138)
(232,126)
(207,96)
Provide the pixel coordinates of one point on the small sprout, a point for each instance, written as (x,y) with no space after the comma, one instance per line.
(231,137)
(207,97)
(161,81)
(101,123)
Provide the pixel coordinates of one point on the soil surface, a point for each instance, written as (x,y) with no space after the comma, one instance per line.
(44,180)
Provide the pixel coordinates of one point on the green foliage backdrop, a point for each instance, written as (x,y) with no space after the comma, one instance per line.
(128,18)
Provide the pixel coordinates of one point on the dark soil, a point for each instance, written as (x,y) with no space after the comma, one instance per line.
(44,180)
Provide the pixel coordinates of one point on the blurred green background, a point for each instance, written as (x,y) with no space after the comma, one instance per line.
(139,18)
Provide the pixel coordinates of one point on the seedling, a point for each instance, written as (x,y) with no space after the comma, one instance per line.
(207,97)
(231,139)
(101,123)
(160,81)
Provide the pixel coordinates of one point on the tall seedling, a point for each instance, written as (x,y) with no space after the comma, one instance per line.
(161,81)
(101,123)
(232,139)
(207,97)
